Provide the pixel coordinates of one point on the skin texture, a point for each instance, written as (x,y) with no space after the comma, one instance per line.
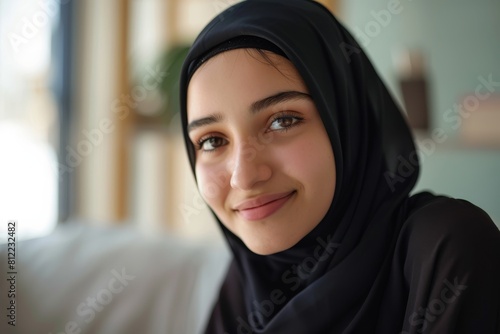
(246,151)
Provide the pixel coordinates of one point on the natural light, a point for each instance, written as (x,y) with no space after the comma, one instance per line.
(28,125)
(28,179)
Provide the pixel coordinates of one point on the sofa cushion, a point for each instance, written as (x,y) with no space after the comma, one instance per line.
(83,279)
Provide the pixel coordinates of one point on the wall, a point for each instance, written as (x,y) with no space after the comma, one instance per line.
(461,40)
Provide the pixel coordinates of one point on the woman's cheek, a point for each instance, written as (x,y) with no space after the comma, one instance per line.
(295,158)
(212,183)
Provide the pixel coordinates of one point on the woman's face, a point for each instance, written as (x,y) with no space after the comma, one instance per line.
(264,163)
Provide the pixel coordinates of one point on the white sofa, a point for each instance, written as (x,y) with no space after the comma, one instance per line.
(83,279)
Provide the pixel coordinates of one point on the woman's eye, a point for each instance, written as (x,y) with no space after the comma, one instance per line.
(211,143)
(284,122)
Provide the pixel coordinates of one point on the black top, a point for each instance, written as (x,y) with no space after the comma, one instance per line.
(380,261)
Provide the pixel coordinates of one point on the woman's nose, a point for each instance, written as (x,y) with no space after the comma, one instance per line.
(248,167)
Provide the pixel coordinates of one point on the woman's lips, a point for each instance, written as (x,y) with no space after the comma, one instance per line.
(262,206)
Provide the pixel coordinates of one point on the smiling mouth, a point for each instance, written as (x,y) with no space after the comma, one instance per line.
(264,206)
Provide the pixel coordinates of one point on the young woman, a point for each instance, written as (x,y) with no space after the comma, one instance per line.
(307,164)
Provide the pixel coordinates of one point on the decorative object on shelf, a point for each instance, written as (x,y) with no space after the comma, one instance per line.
(413,82)
(480,120)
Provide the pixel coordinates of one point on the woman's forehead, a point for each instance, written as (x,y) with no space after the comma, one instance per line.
(238,78)
(253,57)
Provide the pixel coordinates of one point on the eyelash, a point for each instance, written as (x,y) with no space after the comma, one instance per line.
(280,116)
(286,115)
(199,144)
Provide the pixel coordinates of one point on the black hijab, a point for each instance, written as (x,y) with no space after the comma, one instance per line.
(337,278)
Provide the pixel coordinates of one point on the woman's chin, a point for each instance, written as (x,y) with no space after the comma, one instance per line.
(260,248)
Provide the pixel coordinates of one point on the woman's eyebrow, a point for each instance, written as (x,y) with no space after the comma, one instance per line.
(214,118)
(277,98)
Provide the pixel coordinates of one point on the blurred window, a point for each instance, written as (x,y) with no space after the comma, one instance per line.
(28,118)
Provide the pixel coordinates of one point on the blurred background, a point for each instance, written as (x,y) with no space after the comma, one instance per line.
(89,128)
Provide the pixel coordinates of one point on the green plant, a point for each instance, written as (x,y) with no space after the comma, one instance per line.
(172,61)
